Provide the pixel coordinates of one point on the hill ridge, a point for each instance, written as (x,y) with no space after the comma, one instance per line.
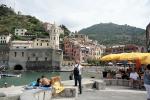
(111,34)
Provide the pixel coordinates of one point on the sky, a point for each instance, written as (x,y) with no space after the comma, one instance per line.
(78,14)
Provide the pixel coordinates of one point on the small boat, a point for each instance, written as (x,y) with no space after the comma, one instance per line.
(10,75)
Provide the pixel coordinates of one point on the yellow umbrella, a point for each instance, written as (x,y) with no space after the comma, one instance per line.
(133,56)
(146,60)
(110,57)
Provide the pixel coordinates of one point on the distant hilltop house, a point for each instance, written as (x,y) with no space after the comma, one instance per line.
(5,38)
(23,32)
(20,32)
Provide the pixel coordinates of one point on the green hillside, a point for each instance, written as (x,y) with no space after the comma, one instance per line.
(111,34)
(9,20)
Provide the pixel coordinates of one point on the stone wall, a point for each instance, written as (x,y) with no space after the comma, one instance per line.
(116,82)
(35,58)
(4,54)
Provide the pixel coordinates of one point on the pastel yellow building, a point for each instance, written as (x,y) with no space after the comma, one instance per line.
(41,43)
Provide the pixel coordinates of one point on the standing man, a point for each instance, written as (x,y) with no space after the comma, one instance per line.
(77,74)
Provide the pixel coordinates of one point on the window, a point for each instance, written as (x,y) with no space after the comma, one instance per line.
(37,44)
(47,44)
(4,37)
(25,47)
(45,58)
(15,53)
(41,44)
(36,58)
(33,54)
(54,38)
(37,40)
(22,54)
(17,47)
(28,58)
(68,63)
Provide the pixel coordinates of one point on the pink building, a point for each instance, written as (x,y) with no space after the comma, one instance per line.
(71,49)
(81,48)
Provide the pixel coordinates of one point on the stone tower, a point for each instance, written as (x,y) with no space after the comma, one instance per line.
(54,32)
(148,37)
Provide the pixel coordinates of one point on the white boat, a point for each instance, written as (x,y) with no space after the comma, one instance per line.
(10,75)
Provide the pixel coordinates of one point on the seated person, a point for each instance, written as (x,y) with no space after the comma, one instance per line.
(124,75)
(45,82)
(134,77)
(118,75)
(37,82)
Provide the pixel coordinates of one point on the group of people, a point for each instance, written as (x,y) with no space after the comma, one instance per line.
(76,72)
(140,77)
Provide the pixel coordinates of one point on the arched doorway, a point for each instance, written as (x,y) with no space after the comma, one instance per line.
(18,67)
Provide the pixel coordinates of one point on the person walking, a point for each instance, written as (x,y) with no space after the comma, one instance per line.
(77,71)
(147,81)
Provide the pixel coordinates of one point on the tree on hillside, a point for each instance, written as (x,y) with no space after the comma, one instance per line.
(66,30)
(5,11)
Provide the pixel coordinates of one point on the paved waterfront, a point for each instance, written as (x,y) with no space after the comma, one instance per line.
(113,93)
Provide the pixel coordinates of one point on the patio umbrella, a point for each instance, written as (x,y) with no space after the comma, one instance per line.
(146,60)
(133,56)
(110,57)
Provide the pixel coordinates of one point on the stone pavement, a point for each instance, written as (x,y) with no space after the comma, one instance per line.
(113,93)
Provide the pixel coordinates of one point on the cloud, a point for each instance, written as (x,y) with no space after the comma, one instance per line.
(78,14)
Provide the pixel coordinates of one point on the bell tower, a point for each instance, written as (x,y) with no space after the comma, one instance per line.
(54,36)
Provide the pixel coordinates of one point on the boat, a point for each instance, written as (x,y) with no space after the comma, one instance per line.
(10,75)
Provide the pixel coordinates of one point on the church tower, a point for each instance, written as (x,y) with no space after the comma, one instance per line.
(54,36)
